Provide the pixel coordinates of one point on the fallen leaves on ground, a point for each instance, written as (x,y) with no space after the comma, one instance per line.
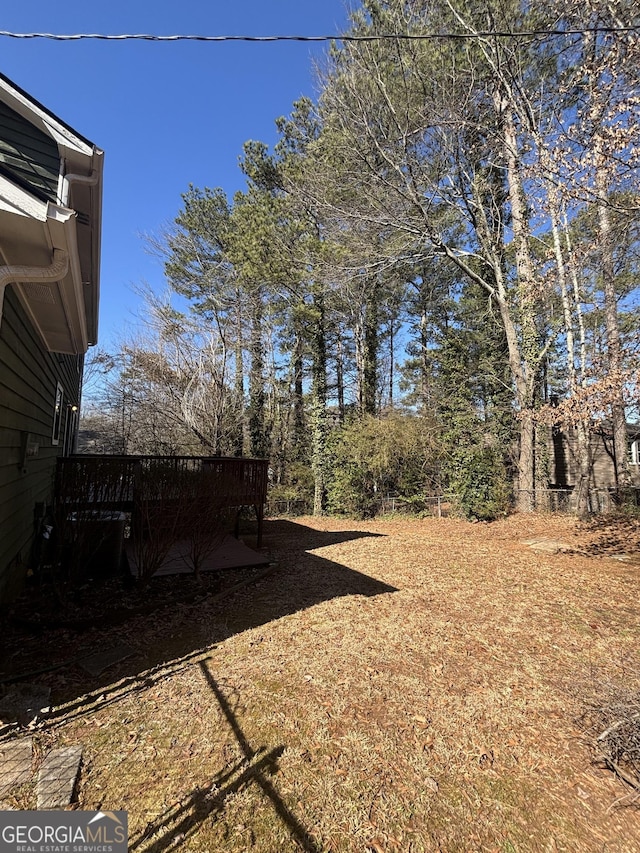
(410,685)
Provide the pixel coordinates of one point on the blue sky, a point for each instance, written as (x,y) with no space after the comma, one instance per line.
(166,114)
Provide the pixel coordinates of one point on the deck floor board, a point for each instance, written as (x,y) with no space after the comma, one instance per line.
(230,554)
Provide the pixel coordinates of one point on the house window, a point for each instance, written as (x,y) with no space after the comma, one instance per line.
(71,429)
(634,452)
(57,415)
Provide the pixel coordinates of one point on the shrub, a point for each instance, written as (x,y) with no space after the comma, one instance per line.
(374,456)
(479,485)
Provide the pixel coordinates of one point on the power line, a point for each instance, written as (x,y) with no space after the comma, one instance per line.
(341,38)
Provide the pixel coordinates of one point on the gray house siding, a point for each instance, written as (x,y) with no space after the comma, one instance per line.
(29,378)
(564,472)
(50,228)
(27,154)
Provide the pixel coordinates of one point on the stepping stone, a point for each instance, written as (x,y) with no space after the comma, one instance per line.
(15,764)
(625,558)
(95,664)
(57,777)
(550,546)
(24,703)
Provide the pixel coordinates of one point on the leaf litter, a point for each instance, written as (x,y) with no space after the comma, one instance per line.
(410,685)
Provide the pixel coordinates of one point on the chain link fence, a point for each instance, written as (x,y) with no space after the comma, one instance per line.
(289,507)
(566,500)
(439,506)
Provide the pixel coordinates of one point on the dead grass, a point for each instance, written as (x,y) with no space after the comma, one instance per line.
(396,685)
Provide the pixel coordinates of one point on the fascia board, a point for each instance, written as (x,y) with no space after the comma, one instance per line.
(96,248)
(77,154)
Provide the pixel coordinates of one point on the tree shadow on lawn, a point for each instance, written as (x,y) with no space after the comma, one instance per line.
(177,824)
(176,634)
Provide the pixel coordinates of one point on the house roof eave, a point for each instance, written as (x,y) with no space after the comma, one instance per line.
(18,203)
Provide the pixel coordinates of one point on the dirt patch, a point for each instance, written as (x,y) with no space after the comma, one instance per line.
(394,685)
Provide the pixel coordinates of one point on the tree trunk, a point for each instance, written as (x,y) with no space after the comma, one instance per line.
(237,438)
(340,377)
(425,367)
(584,426)
(525,496)
(530,346)
(614,346)
(257,437)
(493,246)
(298,437)
(370,360)
(319,404)
(583,449)
(391,362)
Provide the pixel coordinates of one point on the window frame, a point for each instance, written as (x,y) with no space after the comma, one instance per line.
(58,413)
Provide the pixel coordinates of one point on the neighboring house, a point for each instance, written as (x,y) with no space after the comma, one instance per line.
(564,469)
(50,223)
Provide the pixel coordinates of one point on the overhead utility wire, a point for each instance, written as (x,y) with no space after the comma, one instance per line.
(342,38)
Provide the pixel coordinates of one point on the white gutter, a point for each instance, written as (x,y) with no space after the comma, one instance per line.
(88,180)
(15,274)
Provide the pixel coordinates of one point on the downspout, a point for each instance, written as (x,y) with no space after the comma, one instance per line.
(91,180)
(52,274)
(88,180)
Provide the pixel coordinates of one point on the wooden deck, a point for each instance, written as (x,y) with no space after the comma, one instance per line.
(168,498)
(229,554)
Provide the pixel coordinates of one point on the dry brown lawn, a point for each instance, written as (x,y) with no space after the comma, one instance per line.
(395,685)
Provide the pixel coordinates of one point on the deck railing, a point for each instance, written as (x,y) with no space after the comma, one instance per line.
(124,483)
